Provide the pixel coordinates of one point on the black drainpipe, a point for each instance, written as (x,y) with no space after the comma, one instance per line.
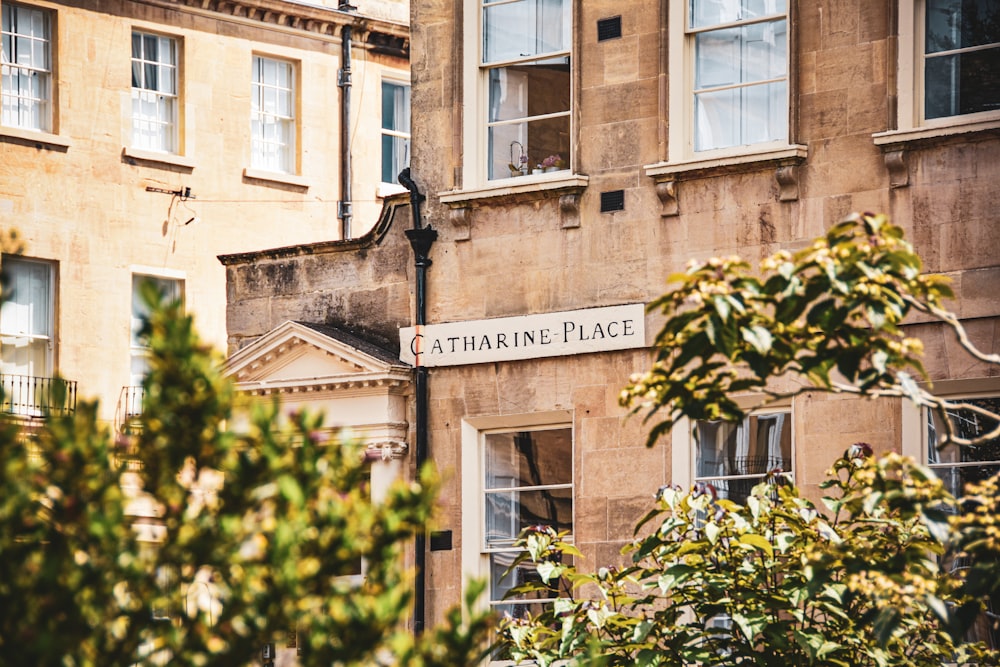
(421,239)
(344,82)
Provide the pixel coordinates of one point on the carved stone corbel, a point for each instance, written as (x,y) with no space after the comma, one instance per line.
(459,217)
(667,193)
(895,163)
(569,210)
(385,451)
(788,182)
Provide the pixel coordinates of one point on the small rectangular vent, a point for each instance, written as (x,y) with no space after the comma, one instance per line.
(613,200)
(609,28)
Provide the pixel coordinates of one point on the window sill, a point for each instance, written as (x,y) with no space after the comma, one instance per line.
(748,159)
(935,133)
(156,158)
(389,190)
(564,185)
(276,177)
(896,143)
(37,138)
(784,159)
(521,188)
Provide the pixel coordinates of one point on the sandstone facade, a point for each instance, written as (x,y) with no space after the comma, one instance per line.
(98,210)
(535,245)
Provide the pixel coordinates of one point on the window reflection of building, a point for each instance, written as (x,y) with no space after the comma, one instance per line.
(528,481)
(734,458)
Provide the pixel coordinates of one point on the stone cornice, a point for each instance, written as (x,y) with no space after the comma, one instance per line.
(392,382)
(310,20)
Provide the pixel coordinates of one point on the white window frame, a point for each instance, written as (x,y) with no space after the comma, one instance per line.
(47,337)
(475,551)
(33,112)
(475,170)
(910,102)
(914,419)
(138,351)
(159,130)
(910,123)
(683,451)
(26,385)
(680,103)
(283,159)
(395,133)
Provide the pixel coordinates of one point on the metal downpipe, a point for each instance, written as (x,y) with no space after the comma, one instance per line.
(421,240)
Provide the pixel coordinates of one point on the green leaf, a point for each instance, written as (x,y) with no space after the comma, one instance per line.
(758,337)
(757,541)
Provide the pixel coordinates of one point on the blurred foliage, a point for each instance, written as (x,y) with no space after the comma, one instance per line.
(192,542)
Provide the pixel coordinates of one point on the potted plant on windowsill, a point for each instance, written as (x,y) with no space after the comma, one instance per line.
(553,163)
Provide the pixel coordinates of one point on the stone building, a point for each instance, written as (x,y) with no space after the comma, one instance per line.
(141,138)
(573,155)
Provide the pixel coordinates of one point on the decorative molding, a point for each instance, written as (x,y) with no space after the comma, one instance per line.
(324,22)
(784,159)
(569,210)
(459,218)
(896,165)
(387,450)
(788,182)
(667,192)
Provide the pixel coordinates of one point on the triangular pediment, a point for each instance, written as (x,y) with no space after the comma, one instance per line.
(297,353)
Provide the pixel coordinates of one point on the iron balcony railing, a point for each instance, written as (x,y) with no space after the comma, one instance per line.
(130,403)
(30,396)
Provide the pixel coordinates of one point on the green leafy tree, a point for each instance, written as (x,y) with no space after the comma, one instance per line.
(865,580)
(247,535)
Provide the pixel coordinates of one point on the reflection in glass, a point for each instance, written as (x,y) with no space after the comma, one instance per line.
(735,457)
(962,65)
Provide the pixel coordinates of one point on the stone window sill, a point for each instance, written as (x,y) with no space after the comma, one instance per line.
(526,188)
(896,143)
(389,190)
(155,158)
(936,133)
(276,177)
(37,138)
(563,184)
(784,159)
(727,163)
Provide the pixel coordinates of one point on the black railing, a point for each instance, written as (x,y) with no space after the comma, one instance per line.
(30,396)
(129,410)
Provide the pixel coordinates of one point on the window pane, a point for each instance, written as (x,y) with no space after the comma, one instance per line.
(952,462)
(502,581)
(528,458)
(395,157)
(704,13)
(758,445)
(525,28)
(26,318)
(741,116)
(529,90)
(740,55)
(958,24)
(962,83)
(510,512)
